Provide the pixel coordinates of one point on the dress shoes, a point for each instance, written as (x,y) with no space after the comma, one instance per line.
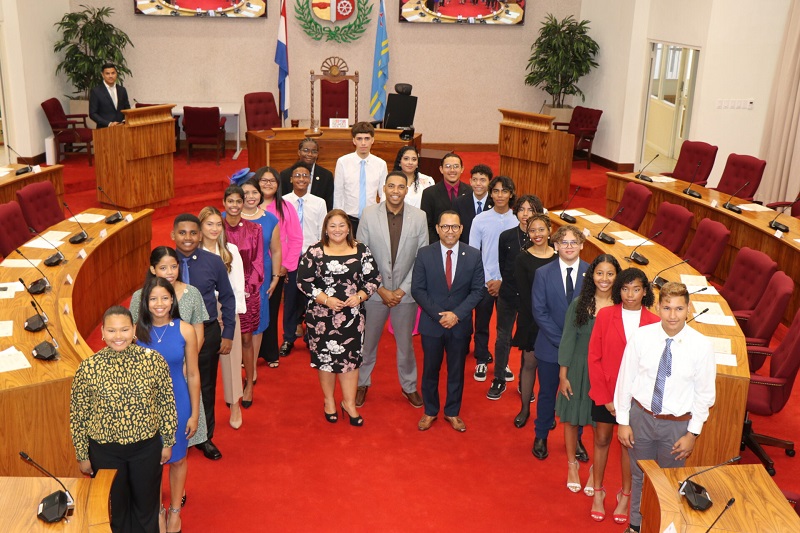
(361,395)
(414,398)
(580,453)
(209,450)
(286,348)
(540,448)
(425,422)
(456,422)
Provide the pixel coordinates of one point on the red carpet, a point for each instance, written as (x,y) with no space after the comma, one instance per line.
(288,470)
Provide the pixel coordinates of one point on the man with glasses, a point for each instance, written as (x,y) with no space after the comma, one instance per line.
(447,283)
(321,183)
(442,196)
(554,287)
(470,205)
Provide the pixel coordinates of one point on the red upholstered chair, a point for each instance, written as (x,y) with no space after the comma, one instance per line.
(760,326)
(747,280)
(177,125)
(39,205)
(66,130)
(583,125)
(768,395)
(261,112)
(674,222)
(203,125)
(707,246)
(634,203)
(692,153)
(795,212)
(739,170)
(14,230)
(334,91)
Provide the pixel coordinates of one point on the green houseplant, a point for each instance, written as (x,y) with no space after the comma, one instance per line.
(88,40)
(561,55)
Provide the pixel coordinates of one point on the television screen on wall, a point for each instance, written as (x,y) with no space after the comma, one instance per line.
(202,8)
(467,12)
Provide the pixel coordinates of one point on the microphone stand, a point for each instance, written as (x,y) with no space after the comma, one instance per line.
(783,228)
(638,258)
(688,190)
(564,216)
(735,208)
(608,239)
(641,176)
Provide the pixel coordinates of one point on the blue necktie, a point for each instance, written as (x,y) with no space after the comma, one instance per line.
(362,188)
(664,371)
(300,211)
(570,286)
(185,270)
(480,208)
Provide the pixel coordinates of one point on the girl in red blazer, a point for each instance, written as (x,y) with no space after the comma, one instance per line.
(613,327)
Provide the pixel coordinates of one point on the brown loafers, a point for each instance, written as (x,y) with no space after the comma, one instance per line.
(425,422)
(414,398)
(456,422)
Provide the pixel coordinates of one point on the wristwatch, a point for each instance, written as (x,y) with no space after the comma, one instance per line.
(695,434)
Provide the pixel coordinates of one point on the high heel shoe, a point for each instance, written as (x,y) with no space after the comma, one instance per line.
(354,421)
(236,416)
(331,417)
(621,518)
(599,516)
(589,488)
(574,487)
(174,511)
(247,403)
(521,419)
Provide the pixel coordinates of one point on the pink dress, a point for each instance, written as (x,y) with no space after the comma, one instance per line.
(291,235)
(247,237)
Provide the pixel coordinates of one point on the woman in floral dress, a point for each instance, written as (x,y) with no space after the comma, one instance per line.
(337,274)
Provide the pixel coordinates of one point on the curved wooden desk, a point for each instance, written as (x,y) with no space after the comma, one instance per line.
(747,229)
(10,183)
(20,496)
(34,402)
(759,507)
(722,433)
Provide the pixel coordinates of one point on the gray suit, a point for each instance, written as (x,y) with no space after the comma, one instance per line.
(373,230)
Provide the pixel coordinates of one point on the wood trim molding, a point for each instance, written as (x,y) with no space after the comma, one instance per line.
(460,147)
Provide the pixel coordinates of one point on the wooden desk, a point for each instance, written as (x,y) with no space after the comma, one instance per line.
(747,229)
(278,147)
(20,497)
(10,184)
(34,402)
(759,507)
(722,432)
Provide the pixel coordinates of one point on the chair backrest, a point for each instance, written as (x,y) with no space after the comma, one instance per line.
(14,230)
(707,246)
(635,201)
(261,112)
(739,170)
(39,205)
(334,91)
(748,279)
(54,112)
(784,364)
(674,222)
(201,121)
(770,308)
(584,118)
(692,153)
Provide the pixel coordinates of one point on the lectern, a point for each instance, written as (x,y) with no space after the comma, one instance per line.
(537,157)
(133,161)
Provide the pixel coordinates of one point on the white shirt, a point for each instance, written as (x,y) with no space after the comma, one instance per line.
(112,92)
(314,211)
(346,181)
(454,257)
(414,197)
(690,389)
(236,277)
(631,321)
(574,274)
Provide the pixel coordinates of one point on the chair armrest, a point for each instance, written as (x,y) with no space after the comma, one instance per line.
(776,205)
(767,381)
(743,315)
(222,121)
(756,341)
(557,125)
(587,131)
(763,351)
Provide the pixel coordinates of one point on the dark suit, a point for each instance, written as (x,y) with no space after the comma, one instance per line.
(435,201)
(467,209)
(549,311)
(101,106)
(429,290)
(321,184)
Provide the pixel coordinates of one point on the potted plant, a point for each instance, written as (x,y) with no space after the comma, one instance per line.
(561,55)
(88,40)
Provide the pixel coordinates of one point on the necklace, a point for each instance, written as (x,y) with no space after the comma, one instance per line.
(164,331)
(250,215)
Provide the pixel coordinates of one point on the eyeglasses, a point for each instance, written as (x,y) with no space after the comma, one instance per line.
(306,176)
(309,151)
(452,167)
(569,244)
(268,181)
(450,227)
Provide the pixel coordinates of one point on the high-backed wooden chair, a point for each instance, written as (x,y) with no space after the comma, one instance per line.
(261,111)
(583,125)
(334,94)
(695,160)
(69,130)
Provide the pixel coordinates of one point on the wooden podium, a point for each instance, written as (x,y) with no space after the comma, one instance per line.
(537,157)
(134,161)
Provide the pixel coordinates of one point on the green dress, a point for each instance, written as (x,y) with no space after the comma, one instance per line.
(573,352)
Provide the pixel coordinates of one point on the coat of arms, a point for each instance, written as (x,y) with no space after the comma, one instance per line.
(333,11)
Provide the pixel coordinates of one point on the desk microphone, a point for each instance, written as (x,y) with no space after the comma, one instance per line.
(696,495)
(23,170)
(777,225)
(116,217)
(36,322)
(699,290)
(658,281)
(735,208)
(564,216)
(41,284)
(688,190)
(54,259)
(727,506)
(608,239)
(704,311)
(58,505)
(80,237)
(45,350)
(638,258)
(641,176)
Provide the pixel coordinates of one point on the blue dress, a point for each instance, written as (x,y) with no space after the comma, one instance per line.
(268,222)
(168,341)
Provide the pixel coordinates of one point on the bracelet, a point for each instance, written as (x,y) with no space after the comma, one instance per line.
(326,299)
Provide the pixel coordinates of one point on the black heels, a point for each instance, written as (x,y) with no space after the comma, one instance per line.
(331,417)
(521,419)
(247,403)
(354,421)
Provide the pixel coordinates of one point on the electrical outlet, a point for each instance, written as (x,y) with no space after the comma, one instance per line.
(750,104)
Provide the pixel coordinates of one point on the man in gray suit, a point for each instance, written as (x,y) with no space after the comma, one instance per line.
(394,232)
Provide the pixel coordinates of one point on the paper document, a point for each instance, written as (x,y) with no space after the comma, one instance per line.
(39,242)
(54,236)
(753,207)
(13,359)
(721,344)
(713,308)
(12,287)
(662,179)
(715,320)
(87,218)
(725,359)
(6,328)
(595,219)
(638,241)
(694,281)
(710,290)
(625,235)
(19,263)
(570,212)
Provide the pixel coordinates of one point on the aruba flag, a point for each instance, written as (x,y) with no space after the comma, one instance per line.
(380,69)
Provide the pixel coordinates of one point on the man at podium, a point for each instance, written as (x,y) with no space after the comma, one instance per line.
(108,100)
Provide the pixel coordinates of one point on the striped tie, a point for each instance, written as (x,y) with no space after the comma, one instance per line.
(664,371)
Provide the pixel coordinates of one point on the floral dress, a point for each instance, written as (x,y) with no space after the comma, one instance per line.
(336,339)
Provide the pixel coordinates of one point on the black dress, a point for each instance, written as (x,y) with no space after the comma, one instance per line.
(525,266)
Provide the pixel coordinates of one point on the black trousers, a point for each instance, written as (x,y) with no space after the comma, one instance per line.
(434,349)
(136,491)
(208,365)
(293,303)
(269,340)
(483,317)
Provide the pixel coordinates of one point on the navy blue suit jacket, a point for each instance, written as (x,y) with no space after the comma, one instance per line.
(101,106)
(550,307)
(429,288)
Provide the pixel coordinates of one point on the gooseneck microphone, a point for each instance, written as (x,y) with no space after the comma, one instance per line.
(603,237)
(699,290)
(641,176)
(658,281)
(80,237)
(735,208)
(54,259)
(638,258)
(696,495)
(569,219)
(727,506)
(704,311)
(41,284)
(783,228)
(37,321)
(23,170)
(116,217)
(688,190)
(45,350)
(56,506)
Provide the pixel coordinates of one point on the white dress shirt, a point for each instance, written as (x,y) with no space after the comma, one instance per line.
(346,181)
(112,92)
(631,321)
(314,211)
(454,258)
(236,277)
(574,274)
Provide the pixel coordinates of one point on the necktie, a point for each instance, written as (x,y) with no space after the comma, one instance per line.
(664,371)
(300,210)
(451,192)
(448,269)
(570,285)
(362,188)
(185,270)
(480,208)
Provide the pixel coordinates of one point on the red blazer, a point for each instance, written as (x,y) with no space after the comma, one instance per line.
(605,351)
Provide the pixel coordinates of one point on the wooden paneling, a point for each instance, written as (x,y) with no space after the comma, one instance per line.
(10,184)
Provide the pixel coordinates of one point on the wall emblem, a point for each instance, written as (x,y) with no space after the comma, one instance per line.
(355,12)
